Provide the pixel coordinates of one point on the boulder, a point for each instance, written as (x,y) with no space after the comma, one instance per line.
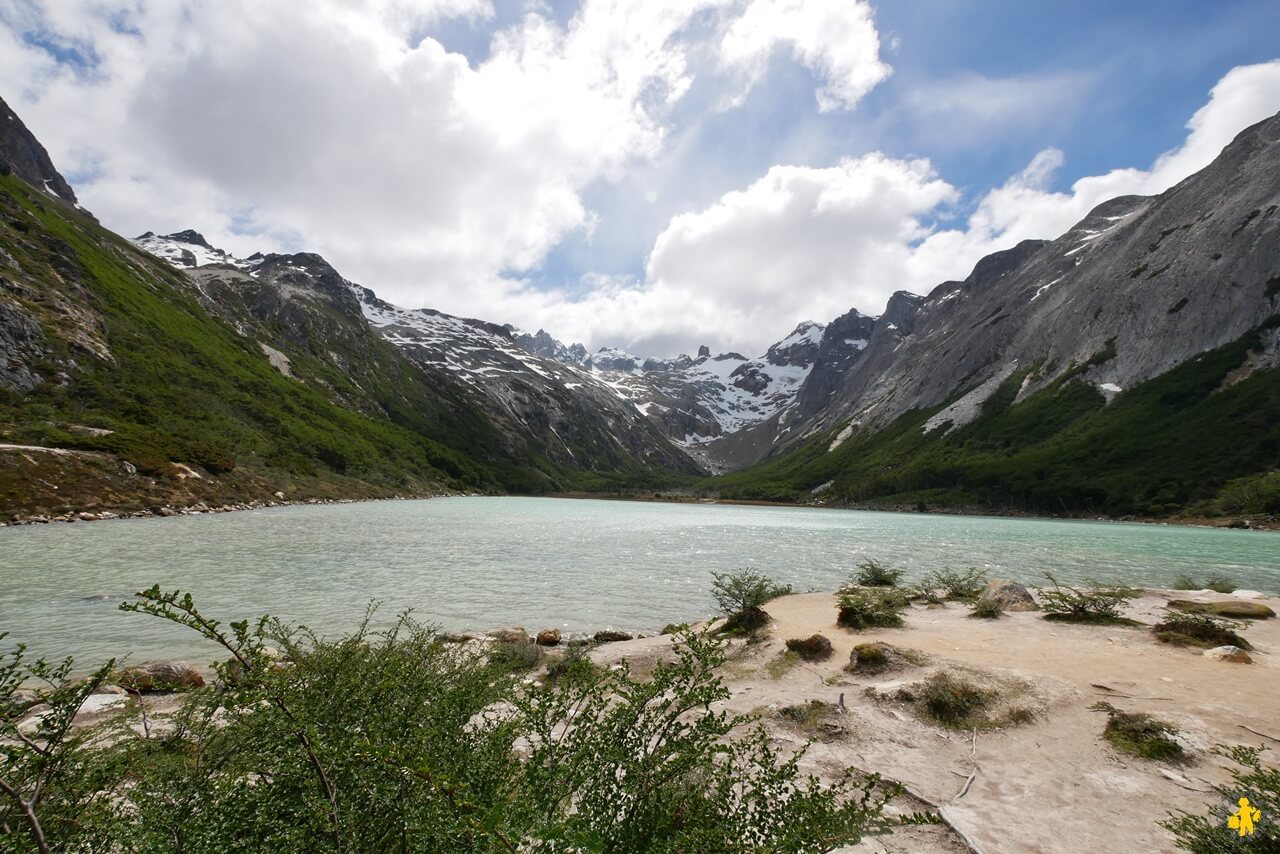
(548,637)
(1228,653)
(153,676)
(1009,595)
(1231,609)
(609,636)
(515,634)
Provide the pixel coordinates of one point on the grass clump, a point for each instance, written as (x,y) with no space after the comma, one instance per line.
(741,597)
(1139,734)
(1191,629)
(573,670)
(1216,583)
(867,609)
(1211,833)
(812,648)
(877,657)
(953,701)
(872,573)
(814,718)
(515,657)
(956,585)
(1097,604)
(986,609)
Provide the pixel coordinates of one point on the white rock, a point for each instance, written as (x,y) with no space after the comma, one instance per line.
(1228,653)
(1249,594)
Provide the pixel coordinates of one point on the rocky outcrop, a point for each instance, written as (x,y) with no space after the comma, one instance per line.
(1008,595)
(159,676)
(548,637)
(22,154)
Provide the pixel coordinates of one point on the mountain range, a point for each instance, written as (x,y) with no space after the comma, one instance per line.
(1127,367)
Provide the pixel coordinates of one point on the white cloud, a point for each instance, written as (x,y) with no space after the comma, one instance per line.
(837,39)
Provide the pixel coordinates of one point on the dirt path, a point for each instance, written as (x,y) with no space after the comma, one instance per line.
(1052,785)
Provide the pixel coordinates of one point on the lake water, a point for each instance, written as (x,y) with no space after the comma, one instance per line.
(579,565)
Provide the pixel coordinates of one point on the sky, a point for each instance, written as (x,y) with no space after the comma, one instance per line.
(646,174)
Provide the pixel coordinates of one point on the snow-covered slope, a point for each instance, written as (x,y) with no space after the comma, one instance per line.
(188,249)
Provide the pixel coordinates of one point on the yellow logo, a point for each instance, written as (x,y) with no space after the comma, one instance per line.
(1243,818)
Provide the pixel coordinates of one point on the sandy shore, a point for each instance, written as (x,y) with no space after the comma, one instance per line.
(1052,785)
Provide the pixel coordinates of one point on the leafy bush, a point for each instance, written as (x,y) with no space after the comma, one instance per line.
(953,701)
(866,609)
(1097,604)
(575,668)
(741,597)
(390,740)
(515,657)
(1220,584)
(1190,629)
(874,574)
(986,609)
(812,648)
(1210,833)
(1139,734)
(1184,582)
(1256,494)
(957,585)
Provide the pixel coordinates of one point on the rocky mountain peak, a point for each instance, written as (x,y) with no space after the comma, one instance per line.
(22,154)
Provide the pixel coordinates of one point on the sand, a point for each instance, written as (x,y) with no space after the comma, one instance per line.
(1051,785)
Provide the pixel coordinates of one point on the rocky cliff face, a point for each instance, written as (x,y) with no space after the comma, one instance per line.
(1138,287)
(22,154)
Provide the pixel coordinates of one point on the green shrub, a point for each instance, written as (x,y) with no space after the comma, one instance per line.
(1210,833)
(1191,629)
(957,585)
(1096,604)
(1139,734)
(515,657)
(866,609)
(954,701)
(1184,582)
(741,597)
(986,609)
(574,669)
(874,574)
(812,648)
(1220,584)
(386,741)
(1256,494)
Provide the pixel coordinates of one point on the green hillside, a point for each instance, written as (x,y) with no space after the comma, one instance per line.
(177,385)
(1196,439)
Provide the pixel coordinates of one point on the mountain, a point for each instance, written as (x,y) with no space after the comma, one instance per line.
(127,382)
(1129,366)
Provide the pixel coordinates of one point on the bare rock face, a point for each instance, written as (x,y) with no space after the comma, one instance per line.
(548,637)
(1233,654)
(159,676)
(515,634)
(22,154)
(1009,595)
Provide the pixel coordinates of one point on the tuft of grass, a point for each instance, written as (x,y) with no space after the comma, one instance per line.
(515,657)
(986,609)
(1185,582)
(1139,734)
(864,609)
(872,573)
(954,701)
(812,648)
(575,669)
(1191,629)
(781,666)
(1096,604)
(1221,584)
(956,585)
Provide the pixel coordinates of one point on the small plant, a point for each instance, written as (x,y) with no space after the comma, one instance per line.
(986,609)
(1185,582)
(953,701)
(1139,734)
(1220,584)
(865,609)
(813,718)
(515,657)
(1192,629)
(741,597)
(575,669)
(957,585)
(875,574)
(876,657)
(1097,604)
(812,648)
(1210,833)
